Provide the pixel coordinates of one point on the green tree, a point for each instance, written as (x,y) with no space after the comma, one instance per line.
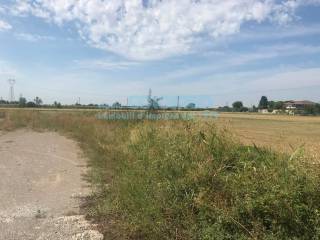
(271,105)
(38,101)
(237,106)
(191,106)
(312,109)
(3,101)
(31,104)
(225,109)
(244,109)
(275,105)
(22,102)
(57,104)
(279,105)
(254,108)
(263,104)
(116,105)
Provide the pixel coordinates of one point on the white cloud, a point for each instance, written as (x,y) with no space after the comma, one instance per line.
(4,26)
(155,29)
(33,37)
(105,64)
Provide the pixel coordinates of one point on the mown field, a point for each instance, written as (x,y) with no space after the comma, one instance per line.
(236,177)
(280,132)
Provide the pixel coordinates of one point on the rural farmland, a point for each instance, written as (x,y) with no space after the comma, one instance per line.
(282,133)
(159,120)
(128,166)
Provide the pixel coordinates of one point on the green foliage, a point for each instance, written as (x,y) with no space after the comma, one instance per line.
(3,101)
(31,104)
(188,180)
(312,109)
(22,102)
(116,105)
(57,104)
(38,101)
(191,106)
(237,105)
(181,181)
(244,109)
(275,105)
(263,104)
(253,109)
(278,105)
(225,109)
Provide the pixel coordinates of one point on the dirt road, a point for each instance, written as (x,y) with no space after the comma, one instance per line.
(40,188)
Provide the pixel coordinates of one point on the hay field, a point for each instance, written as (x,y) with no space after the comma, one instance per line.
(279,132)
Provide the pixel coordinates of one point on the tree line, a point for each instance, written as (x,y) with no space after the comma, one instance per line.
(37,102)
(153,103)
(270,106)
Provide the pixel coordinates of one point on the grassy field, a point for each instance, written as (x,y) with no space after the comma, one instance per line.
(241,176)
(279,132)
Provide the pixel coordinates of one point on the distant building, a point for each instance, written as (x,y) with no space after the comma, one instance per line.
(276,111)
(297,105)
(264,111)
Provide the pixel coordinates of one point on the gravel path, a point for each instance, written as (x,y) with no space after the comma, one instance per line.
(40,188)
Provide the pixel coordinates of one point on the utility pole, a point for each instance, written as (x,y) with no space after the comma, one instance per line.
(11,94)
(150,94)
(178,103)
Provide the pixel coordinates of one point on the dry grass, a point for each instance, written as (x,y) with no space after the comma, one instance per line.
(189,180)
(281,133)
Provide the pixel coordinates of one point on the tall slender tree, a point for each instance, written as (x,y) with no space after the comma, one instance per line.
(263,104)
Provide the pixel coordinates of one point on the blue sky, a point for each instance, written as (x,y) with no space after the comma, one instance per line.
(209,52)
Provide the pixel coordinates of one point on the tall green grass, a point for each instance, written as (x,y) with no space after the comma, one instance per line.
(187,180)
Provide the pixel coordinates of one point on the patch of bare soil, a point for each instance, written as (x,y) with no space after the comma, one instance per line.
(41,188)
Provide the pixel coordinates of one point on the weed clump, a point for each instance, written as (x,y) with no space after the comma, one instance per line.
(185,181)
